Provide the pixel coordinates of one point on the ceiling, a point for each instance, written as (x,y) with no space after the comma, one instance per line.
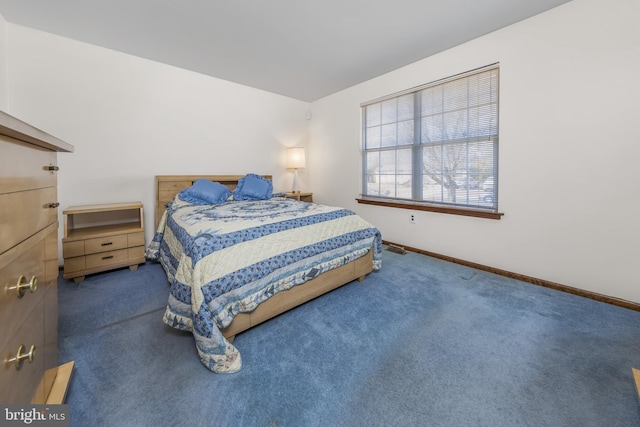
(303,49)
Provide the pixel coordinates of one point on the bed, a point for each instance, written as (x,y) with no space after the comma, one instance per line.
(235,264)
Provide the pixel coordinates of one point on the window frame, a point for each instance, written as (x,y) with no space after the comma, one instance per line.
(417,146)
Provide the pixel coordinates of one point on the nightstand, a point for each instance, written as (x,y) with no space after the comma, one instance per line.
(303,197)
(102,237)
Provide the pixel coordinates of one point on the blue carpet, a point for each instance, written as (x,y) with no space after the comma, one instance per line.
(422,342)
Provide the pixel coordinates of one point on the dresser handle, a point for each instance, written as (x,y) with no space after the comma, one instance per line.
(53,205)
(106,244)
(21,356)
(52,168)
(107,257)
(22,286)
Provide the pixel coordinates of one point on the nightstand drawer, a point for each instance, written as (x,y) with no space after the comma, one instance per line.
(135,239)
(75,264)
(106,258)
(136,254)
(104,244)
(73,249)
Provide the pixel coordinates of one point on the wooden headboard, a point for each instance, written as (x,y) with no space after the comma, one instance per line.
(167,186)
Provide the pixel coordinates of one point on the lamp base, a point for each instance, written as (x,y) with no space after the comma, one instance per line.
(296,182)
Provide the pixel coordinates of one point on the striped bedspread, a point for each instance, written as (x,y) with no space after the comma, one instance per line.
(226,259)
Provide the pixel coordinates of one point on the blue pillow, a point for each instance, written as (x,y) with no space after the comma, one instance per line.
(205,192)
(253,187)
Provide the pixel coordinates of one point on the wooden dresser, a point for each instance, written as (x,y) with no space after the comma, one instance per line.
(29,265)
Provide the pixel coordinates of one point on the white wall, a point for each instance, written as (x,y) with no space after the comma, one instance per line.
(4,102)
(569,149)
(130,119)
(568,140)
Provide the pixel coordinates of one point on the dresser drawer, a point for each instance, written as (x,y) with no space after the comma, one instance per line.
(105,244)
(25,166)
(23,214)
(52,267)
(31,262)
(106,258)
(20,385)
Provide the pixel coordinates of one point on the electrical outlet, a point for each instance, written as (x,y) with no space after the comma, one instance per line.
(412,219)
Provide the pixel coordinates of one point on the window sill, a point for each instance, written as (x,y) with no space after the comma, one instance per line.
(478,213)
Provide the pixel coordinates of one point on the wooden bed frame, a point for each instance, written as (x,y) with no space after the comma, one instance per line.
(167,186)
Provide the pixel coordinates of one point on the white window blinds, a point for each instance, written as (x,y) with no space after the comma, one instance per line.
(437,143)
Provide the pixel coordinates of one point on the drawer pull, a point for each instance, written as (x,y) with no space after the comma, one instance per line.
(22,285)
(107,257)
(52,168)
(53,205)
(21,356)
(107,244)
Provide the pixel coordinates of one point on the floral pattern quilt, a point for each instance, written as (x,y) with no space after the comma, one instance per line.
(226,259)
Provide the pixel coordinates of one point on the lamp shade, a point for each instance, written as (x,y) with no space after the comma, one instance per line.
(295,158)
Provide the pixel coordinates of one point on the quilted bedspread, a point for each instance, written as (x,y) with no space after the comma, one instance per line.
(226,259)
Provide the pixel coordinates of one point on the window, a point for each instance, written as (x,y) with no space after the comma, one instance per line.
(436,144)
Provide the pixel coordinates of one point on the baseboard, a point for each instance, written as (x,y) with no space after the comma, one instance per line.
(528,279)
